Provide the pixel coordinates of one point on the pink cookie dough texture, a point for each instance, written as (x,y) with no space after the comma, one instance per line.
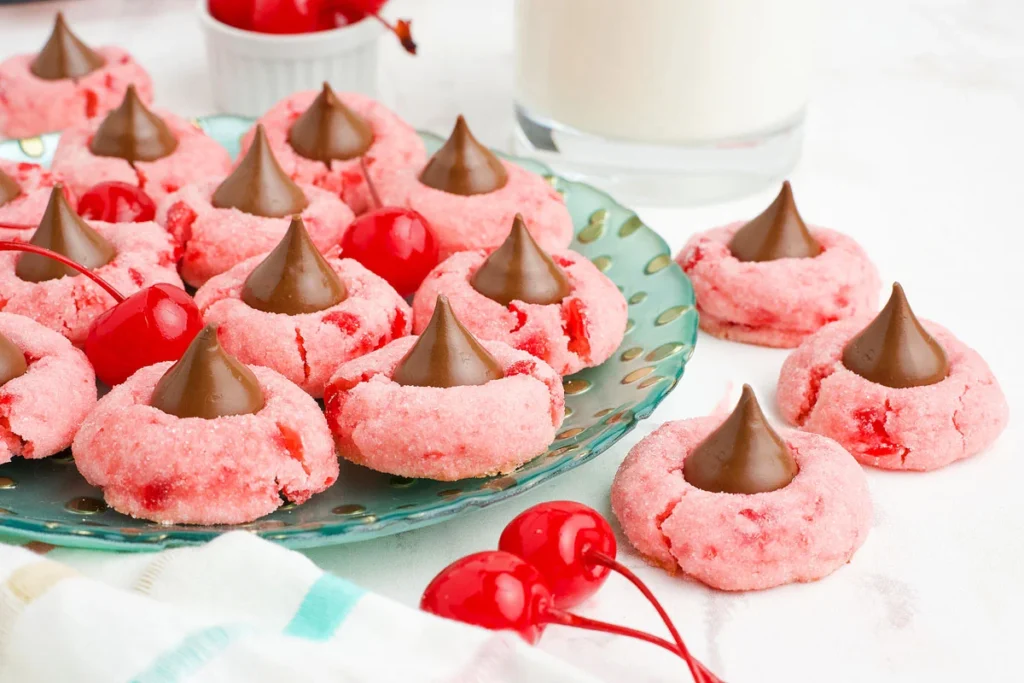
(916,428)
(197,157)
(216,240)
(30,105)
(41,410)
(146,255)
(229,470)
(480,221)
(733,541)
(443,433)
(582,331)
(396,147)
(777,303)
(28,207)
(306,348)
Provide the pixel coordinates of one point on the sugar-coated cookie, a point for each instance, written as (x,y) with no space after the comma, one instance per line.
(24,193)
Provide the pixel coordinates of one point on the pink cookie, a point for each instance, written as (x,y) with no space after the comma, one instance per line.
(777,303)
(580,332)
(196,158)
(480,221)
(41,410)
(917,428)
(733,541)
(145,256)
(396,146)
(443,433)
(30,105)
(306,348)
(227,470)
(28,207)
(218,239)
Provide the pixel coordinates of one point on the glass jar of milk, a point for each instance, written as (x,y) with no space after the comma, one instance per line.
(665,101)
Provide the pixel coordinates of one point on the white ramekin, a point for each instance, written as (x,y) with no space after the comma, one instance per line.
(250,71)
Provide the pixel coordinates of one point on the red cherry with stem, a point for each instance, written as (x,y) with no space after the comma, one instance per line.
(154,324)
(351,11)
(116,202)
(573,547)
(395,243)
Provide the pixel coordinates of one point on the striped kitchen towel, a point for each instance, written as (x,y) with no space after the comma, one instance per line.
(237,609)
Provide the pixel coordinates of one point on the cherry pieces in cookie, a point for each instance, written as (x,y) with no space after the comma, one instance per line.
(165,444)
(558,307)
(65,84)
(739,506)
(898,393)
(444,405)
(221,223)
(300,313)
(320,136)
(24,194)
(470,197)
(773,281)
(47,387)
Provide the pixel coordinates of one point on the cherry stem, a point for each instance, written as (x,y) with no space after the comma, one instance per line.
(557,616)
(60,258)
(369,183)
(700,673)
(401,29)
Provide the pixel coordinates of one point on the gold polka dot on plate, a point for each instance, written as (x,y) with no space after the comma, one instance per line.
(575,386)
(6,483)
(649,382)
(499,484)
(86,505)
(630,324)
(632,224)
(32,147)
(671,314)
(350,509)
(449,493)
(630,354)
(603,412)
(659,262)
(401,482)
(664,351)
(5,511)
(603,263)
(595,227)
(639,373)
(569,433)
(637,298)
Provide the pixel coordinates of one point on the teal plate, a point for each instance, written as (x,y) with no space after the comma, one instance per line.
(48,500)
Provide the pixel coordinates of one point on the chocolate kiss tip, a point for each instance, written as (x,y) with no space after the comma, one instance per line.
(743,455)
(63,231)
(12,361)
(463,166)
(777,232)
(895,350)
(133,132)
(64,55)
(258,185)
(9,188)
(329,130)
(446,355)
(207,382)
(519,270)
(294,278)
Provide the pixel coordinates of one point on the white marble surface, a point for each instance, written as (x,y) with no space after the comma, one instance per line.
(914,146)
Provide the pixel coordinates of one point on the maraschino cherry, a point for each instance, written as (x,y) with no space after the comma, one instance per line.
(395,243)
(116,202)
(154,324)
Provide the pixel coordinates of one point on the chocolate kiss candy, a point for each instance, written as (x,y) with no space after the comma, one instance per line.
(895,350)
(464,166)
(64,55)
(329,130)
(12,361)
(294,278)
(519,270)
(9,188)
(259,186)
(744,455)
(207,382)
(446,355)
(63,231)
(133,133)
(779,232)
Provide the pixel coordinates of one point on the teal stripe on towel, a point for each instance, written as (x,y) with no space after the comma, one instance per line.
(190,655)
(325,606)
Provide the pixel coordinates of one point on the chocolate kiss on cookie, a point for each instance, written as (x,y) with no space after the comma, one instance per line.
(329,130)
(64,55)
(519,270)
(744,455)
(446,355)
(12,361)
(63,231)
(259,186)
(133,133)
(895,350)
(9,188)
(207,382)
(294,278)
(463,166)
(778,232)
